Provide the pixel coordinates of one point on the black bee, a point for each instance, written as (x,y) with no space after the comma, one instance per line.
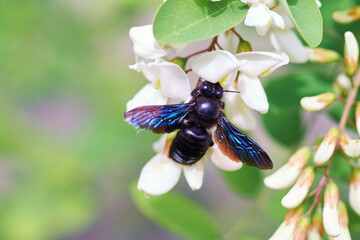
(194,119)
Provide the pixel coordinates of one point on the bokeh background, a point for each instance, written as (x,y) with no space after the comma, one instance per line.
(67,158)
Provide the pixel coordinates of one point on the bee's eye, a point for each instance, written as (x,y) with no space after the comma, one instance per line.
(206,89)
(218,93)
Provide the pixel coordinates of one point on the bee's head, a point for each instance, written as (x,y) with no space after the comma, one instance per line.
(211,90)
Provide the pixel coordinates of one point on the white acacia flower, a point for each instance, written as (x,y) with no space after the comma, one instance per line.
(146,46)
(327,146)
(168,80)
(343,221)
(354,190)
(299,191)
(350,146)
(243,117)
(285,176)
(330,211)
(318,102)
(261,17)
(351,53)
(285,40)
(222,66)
(287,227)
(301,229)
(357,117)
(316,230)
(161,173)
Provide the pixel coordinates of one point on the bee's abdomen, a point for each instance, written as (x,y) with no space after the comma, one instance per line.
(190,144)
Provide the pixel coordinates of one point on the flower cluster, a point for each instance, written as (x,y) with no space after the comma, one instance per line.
(169,83)
(330,215)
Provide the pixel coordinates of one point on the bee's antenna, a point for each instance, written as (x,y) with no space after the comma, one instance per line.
(231,91)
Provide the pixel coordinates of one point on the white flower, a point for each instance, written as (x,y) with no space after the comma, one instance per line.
(316,230)
(148,95)
(351,53)
(354,190)
(285,176)
(222,66)
(301,228)
(146,46)
(327,146)
(220,160)
(243,116)
(261,17)
(167,77)
(349,146)
(343,221)
(318,102)
(298,192)
(330,211)
(161,173)
(287,227)
(285,40)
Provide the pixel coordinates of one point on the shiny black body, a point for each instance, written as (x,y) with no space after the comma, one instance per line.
(194,121)
(194,138)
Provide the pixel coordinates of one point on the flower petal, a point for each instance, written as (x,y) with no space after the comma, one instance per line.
(145,44)
(159,175)
(286,41)
(252,93)
(282,178)
(258,15)
(174,81)
(146,96)
(278,21)
(221,161)
(194,174)
(238,113)
(215,65)
(260,63)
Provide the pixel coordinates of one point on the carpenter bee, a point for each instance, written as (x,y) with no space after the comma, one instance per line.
(194,119)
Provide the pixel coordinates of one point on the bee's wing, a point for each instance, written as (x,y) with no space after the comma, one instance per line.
(158,118)
(238,147)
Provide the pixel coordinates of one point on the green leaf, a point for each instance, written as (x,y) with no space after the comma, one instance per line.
(246,181)
(194,20)
(283,121)
(177,213)
(285,126)
(307,19)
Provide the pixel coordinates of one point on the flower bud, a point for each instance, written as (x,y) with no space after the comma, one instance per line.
(327,146)
(298,192)
(330,212)
(351,53)
(287,227)
(357,117)
(349,146)
(317,103)
(301,228)
(181,62)
(354,191)
(347,16)
(343,221)
(244,46)
(322,55)
(286,175)
(342,84)
(316,231)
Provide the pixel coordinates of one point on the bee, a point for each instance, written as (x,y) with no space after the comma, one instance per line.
(194,121)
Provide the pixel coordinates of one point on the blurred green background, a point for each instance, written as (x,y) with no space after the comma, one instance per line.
(67,158)
(66,155)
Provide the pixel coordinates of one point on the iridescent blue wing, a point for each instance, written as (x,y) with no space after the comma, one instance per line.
(158,118)
(238,147)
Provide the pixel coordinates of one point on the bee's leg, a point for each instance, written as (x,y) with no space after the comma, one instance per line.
(222,105)
(195,92)
(212,143)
